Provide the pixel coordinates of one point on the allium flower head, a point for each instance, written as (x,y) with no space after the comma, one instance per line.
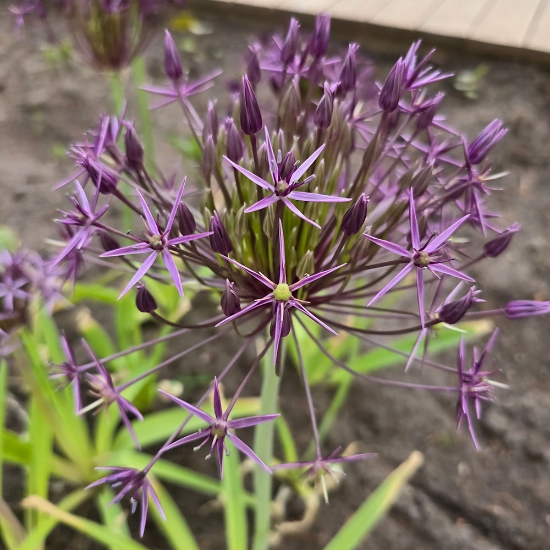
(485,141)
(220,428)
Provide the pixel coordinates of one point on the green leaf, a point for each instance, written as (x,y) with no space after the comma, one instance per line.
(12,531)
(15,450)
(112,514)
(234,504)
(95,293)
(361,523)
(94,530)
(290,453)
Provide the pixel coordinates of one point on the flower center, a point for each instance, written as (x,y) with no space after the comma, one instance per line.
(217,431)
(422,259)
(282,293)
(155,242)
(281,187)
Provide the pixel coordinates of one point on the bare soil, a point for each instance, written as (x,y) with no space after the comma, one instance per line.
(462,499)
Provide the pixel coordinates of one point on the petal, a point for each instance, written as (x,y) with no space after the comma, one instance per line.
(140,272)
(218,411)
(303,168)
(187,439)
(220,453)
(271,160)
(415,235)
(442,268)
(315,197)
(282,257)
(191,408)
(129,426)
(138,248)
(82,198)
(188,238)
(148,216)
(440,240)
(175,207)
(247,309)
(310,278)
(278,329)
(301,308)
(293,209)
(252,177)
(245,449)
(392,247)
(263,203)
(420,293)
(251,421)
(172,269)
(401,275)
(144,508)
(262,278)
(156,501)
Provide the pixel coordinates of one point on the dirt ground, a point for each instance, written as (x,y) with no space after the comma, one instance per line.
(462,499)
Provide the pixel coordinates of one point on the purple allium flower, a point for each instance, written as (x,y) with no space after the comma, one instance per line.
(280,298)
(251,117)
(485,141)
(421,258)
(13,289)
(69,372)
(135,483)
(418,73)
(103,178)
(104,389)
(474,386)
(285,189)
(318,469)
(157,243)
(519,309)
(220,428)
(172,61)
(497,245)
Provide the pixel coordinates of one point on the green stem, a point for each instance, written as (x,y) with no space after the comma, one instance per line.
(145,126)
(263,447)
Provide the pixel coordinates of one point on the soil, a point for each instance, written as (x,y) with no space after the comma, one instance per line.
(461,499)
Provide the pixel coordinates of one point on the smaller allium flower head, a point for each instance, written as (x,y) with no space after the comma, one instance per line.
(104,389)
(157,243)
(355,217)
(519,309)
(235,143)
(393,89)
(485,141)
(348,75)
(230,302)
(69,372)
(288,51)
(145,301)
(134,149)
(323,114)
(102,177)
(318,469)
(474,386)
(172,61)
(284,188)
(496,246)
(251,117)
(220,241)
(134,483)
(321,33)
(280,298)
(220,428)
(452,312)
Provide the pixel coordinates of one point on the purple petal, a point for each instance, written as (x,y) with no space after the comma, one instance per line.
(262,278)
(172,269)
(188,238)
(245,449)
(271,160)
(282,257)
(392,247)
(191,408)
(310,278)
(247,309)
(293,209)
(129,426)
(301,308)
(148,216)
(156,501)
(303,168)
(82,198)
(139,248)
(440,240)
(420,292)
(251,421)
(175,207)
(140,272)
(263,203)
(252,177)
(314,197)
(218,411)
(187,439)
(401,275)
(159,90)
(415,235)
(442,268)
(144,509)
(220,453)
(412,355)
(69,179)
(278,329)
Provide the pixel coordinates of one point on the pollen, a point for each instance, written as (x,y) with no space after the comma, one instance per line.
(282,293)
(422,259)
(217,431)
(281,187)
(155,241)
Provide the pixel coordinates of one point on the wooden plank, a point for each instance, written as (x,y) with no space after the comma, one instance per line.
(312,7)
(454,17)
(356,10)
(538,35)
(506,22)
(406,14)
(258,3)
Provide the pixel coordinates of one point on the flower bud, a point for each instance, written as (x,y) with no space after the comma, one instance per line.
(241,225)
(495,247)
(186,220)
(101,176)
(319,40)
(287,166)
(235,143)
(348,75)
(393,88)
(421,180)
(134,149)
(208,160)
(211,126)
(355,217)
(291,105)
(145,301)
(172,62)
(219,240)
(323,114)
(306,265)
(485,141)
(230,301)
(519,309)
(253,71)
(426,115)
(285,328)
(452,312)
(108,242)
(263,164)
(288,51)
(251,118)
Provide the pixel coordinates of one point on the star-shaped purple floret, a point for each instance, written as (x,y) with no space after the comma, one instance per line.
(280,296)
(220,428)
(421,258)
(157,243)
(284,189)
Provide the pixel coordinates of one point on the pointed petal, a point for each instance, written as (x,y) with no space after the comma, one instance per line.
(301,308)
(247,309)
(420,292)
(315,197)
(187,439)
(252,177)
(138,248)
(218,411)
(303,168)
(392,247)
(172,269)
(219,454)
(129,426)
(263,203)
(156,501)
(245,449)
(251,421)
(415,235)
(271,160)
(412,355)
(310,278)
(191,408)
(82,198)
(148,216)
(144,509)
(294,210)
(401,275)
(188,238)
(278,329)
(282,257)
(442,268)
(262,278)
(175,207)
(140,272)
(440,240)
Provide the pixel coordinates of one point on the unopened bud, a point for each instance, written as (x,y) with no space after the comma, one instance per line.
(392,90)
(323,114)
(145,301)
(285,325)
(186,220)
(253,67)
(425,117)
(421,180)
(235,143)
(134,149)
(287,166)
(348,76)
(291,105)
(251,118)
(211,125)
(219,240)
(208,160)
(108,242)
(306,265)
(172,61)
(485,141)
(320,37)
(519,309)
(241,225)
(500,243)
(288,51)
(453,312)
(230,301)
(355,217)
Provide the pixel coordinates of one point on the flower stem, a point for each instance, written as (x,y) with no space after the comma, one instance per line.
(146,126)
(263,447)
